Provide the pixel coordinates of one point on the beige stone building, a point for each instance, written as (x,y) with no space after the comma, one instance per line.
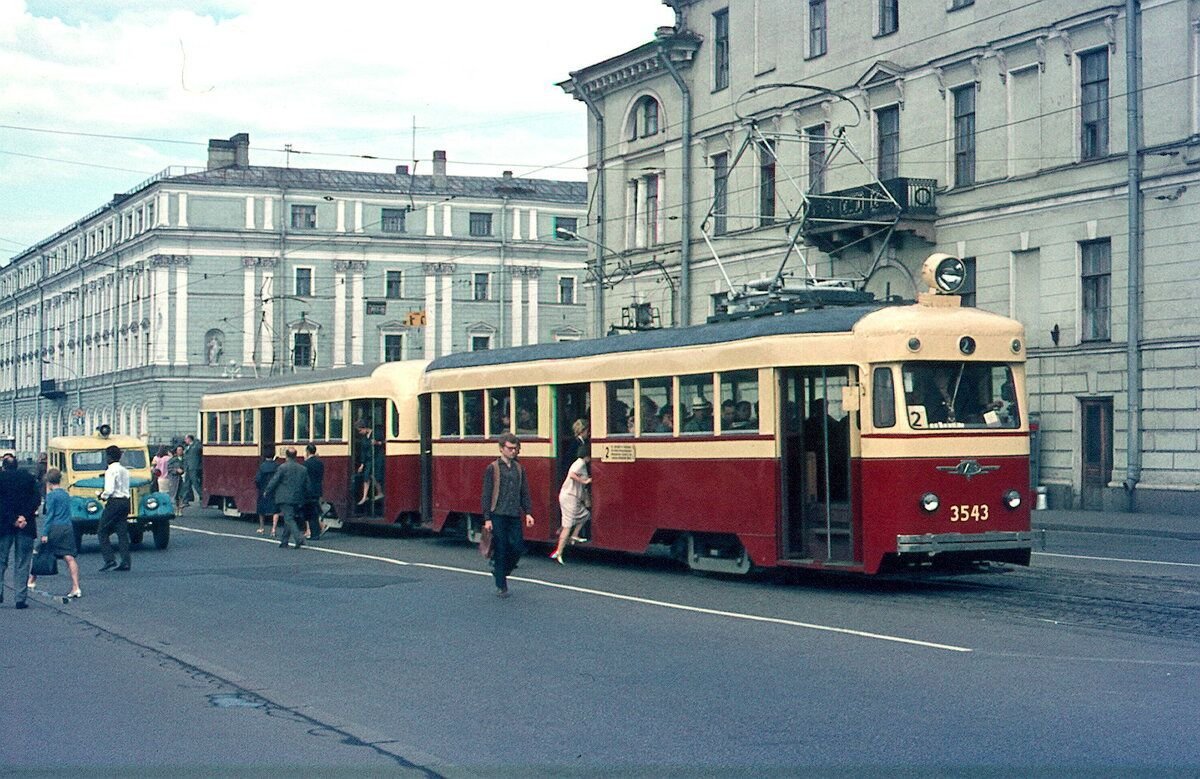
(850,140)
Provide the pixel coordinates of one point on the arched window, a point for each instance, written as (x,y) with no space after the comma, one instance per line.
(644,121)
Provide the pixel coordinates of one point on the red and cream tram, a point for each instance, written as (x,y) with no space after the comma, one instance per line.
(362,420)
(859,438)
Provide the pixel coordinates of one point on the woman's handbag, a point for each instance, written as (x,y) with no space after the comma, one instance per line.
(485,543)
(44,563)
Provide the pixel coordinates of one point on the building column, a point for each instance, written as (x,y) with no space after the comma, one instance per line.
(341,216)
(250,212)
(533,309)
(533,225)
(339,319)
(183,206)
(160,323)
(268,213)
(181,314)
(358,216)
(516,224)
(517,313)
(249,307)
(430,314)
(448,312)
(446,221)
(430,221)
(266,337)
(357,307)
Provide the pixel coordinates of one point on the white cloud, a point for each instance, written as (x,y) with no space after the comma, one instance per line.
(334,77)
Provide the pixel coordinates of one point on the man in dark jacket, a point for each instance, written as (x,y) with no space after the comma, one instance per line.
(193,469)
(505,500)
(316,487)
(289,486)
(19,500)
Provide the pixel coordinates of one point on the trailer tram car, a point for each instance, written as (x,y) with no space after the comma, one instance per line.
(863,438)
(242,423)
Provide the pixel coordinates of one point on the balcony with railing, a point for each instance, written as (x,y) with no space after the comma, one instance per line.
(835,219)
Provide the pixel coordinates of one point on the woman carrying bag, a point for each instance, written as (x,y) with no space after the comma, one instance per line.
(58,534)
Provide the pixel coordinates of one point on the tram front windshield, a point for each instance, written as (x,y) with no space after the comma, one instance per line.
(942,395)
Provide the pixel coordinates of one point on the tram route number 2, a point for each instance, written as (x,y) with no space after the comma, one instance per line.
(975,512)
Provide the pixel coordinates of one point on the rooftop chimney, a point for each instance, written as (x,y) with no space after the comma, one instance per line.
(507,174)
(401,170)
(439,168)
(233,152)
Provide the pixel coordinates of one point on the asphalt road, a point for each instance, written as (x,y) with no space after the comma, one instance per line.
(370,653)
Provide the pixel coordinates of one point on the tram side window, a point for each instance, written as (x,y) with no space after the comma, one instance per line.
(449,402)
(287,433)
(696,393)
(472,402)
(210,427)
(337,429)
(499,411)
(620,407)
(248,432)
(883,398)
(303,423)
(739,402)
(395,417)
(223,422)
(527,410)
(320,412)
(655,407)
(235,427)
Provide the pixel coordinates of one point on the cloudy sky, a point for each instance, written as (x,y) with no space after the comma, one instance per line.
(97,96)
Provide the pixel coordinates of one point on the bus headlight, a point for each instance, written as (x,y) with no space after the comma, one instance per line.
(930,502)
(93,508)
(152,503)
(1012,499)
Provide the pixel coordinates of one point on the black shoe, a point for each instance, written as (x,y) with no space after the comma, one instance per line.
(283,544)
(109,566)
(502,593)
(124,567)
(22,604)
(298,545)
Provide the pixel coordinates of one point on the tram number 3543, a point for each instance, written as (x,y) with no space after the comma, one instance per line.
(975,512)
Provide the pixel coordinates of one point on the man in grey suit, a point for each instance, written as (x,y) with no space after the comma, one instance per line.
(289,485)
(193,469)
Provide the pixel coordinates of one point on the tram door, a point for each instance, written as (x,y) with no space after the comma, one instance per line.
(425,428)
(266,431)
(369,428)
(571,402)
(815,469)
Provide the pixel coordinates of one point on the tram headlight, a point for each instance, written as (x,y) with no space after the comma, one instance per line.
(1012,499)
(944,274)
(930,502)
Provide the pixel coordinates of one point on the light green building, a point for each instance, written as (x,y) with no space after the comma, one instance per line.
(236,271)
(997,132)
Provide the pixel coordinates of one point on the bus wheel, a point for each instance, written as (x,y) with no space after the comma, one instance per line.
(717,553)
(135,536)
(162,534)
(78,538)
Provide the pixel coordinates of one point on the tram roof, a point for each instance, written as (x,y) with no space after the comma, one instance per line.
(825,320)
(299,378)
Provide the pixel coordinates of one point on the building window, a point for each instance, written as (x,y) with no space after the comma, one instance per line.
(393,347)
(394,285)
(1093,100)
(887,150)
(304,286)
(721,49)
(481,343)
(481,224)
(566,290)
(304,217)
(817,26)
(766,183)
(815,138)
(302,350)
(393,220)
(720,192)
(482,286)
(964,135)
(889,16)
(644,122)
(967,292)
(651,184)
(1096,276)
(569,225)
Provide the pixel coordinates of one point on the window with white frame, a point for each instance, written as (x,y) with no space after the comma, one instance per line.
(393,347)
(302,350)
(887,142)
(480,224)
(889,16)
(393,284)
(817,28)
(304,283)
(964,135)
(481,287)
(816,145)
(392,220)
(1096,289)
(720,49)
(569,226)
(566,290)
(304,217)
(481,343)
(1093,101)
(766,182)
(720,168)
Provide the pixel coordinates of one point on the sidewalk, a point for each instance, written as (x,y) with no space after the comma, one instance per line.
(1183,528)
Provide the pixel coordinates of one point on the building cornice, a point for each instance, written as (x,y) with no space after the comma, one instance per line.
(635,66)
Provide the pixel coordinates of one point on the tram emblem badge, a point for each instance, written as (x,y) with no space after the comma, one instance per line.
(968,468)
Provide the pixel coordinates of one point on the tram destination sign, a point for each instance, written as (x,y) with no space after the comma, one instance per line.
(618,453)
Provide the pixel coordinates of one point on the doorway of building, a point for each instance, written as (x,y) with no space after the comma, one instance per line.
(1097,448)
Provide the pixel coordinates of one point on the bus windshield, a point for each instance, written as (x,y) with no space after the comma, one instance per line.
(942,395)
(96,460)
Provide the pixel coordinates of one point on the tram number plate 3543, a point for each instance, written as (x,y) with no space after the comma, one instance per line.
(964,512)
